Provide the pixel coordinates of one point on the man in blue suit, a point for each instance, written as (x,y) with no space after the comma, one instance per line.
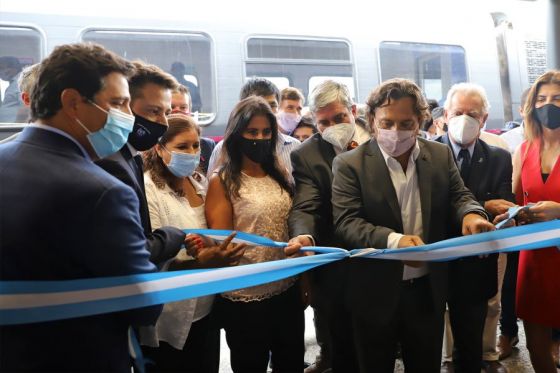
(62,217)
(150,91)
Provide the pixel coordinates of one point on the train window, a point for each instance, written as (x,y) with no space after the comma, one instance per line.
(187,56)
(279,81)
(290,49)
(300,63)
(434,67)
(20,47)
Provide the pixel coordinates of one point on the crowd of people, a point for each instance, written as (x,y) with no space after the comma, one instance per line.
(112,167)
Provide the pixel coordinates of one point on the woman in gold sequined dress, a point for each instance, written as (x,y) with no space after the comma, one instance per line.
(252,193)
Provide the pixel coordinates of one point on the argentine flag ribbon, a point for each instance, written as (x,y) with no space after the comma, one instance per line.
(24,302)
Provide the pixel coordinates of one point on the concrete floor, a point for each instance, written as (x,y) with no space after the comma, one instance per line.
(517,363)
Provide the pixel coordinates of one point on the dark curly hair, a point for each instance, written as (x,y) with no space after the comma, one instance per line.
(160,174)
(239,119)
(395,89)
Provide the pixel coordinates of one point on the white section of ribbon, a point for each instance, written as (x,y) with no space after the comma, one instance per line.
(463,250)
(15,301)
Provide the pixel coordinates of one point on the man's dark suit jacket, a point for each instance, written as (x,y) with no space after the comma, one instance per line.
(206,148)
(163,243)
(476,279)
(366,211)
(312,211)
(63,218)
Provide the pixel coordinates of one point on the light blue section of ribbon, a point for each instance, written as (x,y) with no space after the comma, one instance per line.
(136,352)
(237,277)
(449,245)
(512,213)
(241,237)
(270,271)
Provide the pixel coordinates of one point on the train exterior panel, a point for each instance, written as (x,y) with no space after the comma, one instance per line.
(435,46)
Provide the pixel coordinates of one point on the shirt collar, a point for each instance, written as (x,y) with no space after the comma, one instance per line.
(132,149)
(200,187)
(61,133)
(457,148)
(413,155)
(285,139)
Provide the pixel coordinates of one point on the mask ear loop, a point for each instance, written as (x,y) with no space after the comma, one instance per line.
(164,148)
(83,126)
(97,106)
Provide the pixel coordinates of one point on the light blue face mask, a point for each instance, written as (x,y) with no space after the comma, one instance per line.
(183,164)
(114,134)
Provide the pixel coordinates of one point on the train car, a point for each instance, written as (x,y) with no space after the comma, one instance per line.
(213,47)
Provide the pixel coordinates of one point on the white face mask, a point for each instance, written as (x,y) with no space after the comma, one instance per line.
(395,143)
(288,121)
(463,129)
(339,135)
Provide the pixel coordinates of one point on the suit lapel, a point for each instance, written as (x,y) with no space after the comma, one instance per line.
(424,171)
(445,140)
(133,167)
(326,149)
(382,179)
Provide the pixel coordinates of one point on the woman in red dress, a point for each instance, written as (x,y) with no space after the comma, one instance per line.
(536,179)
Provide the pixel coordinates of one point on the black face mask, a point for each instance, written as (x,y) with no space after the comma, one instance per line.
(145,133)
(256,150)
(549,116)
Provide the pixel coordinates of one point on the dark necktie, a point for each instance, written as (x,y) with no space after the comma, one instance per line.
(139,169)
(465,158)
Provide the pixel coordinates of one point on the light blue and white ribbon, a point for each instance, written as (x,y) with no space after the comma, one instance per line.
(37,301)
(526,237)
(254,240)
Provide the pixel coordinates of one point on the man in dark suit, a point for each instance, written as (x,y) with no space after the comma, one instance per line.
(310,220)
(486,171)
(150,91)
(64,218)
(399,191)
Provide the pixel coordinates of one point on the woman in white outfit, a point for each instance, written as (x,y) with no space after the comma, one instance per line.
(185,338)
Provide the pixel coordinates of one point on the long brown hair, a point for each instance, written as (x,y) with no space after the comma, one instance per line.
(239,119)
(160,174)
(533,128)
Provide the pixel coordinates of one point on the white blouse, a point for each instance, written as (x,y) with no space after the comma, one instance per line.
(168,209)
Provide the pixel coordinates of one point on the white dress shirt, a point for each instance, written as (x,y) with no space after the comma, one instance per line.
(286,144)
(457,148)
(408,195)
